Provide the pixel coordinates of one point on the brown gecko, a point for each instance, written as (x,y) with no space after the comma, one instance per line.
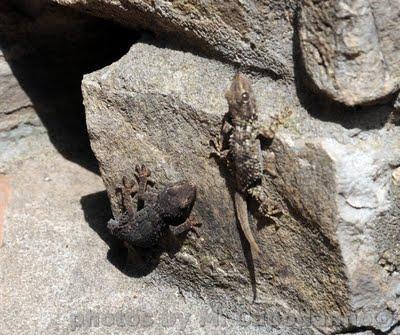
(239,146)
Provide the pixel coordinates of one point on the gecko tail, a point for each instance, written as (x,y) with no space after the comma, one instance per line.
(242,215)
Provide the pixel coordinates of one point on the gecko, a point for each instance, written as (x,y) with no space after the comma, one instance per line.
(146,226)
(239,146)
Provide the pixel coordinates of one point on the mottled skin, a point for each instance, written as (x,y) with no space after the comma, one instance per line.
(145,227)
(244,145)
(240,133)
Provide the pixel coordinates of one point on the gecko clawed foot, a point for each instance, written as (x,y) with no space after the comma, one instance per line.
(218,150)
(270,208)
(145,227)
(191,224)
(128,186)
(128,189)
(131,187)
(143,173)
(266,206)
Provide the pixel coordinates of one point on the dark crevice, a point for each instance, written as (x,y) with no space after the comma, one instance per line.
(361,329)
(48,55)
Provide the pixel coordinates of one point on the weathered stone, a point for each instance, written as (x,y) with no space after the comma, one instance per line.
(40,73)
(351,48)
(256,34)
(13,97)
(161,107)
(5,191)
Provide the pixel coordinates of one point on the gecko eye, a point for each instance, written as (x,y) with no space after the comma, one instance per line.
(245,97)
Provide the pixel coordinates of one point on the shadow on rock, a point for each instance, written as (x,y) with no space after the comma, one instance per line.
(133,262)
(320,106)
(48,55)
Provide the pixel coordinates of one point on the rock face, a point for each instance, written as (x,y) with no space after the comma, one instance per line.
(40,74)
(256,34)
(351,49)
(5,191)
(332,252)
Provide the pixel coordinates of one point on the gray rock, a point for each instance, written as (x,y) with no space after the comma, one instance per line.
(351,48)
(161,107)
(256,34)
(40,74)
(13,97)
(55,277)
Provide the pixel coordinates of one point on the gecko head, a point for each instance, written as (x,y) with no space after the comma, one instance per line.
(240,98)
(176,201)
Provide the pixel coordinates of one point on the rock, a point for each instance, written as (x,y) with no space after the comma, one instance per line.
(396,176)
(254,34)
(32,8)
(40,74)
(351,48)
(14,98)
(55,278)
(396,102)
(5,191)
(161,107)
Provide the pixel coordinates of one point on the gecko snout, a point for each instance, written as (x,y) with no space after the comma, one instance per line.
(177,200)
(185,193)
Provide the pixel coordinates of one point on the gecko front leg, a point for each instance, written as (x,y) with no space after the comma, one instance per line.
(190,224)
(221,148)
(128,190)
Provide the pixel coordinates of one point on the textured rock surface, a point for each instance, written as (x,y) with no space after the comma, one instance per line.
(13,96)
(40,74)
(351,48)
(55,276)
(5,192)
(332,252)
(253,33)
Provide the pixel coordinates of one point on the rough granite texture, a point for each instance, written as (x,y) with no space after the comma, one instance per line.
(333,255)
(351,48)
(256,34)
(42,61)
(334,249)
(5,192)
(57,274)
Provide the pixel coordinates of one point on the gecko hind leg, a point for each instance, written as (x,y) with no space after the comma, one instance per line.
(142,174)
(266,207)
(127,189)
(218,151)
